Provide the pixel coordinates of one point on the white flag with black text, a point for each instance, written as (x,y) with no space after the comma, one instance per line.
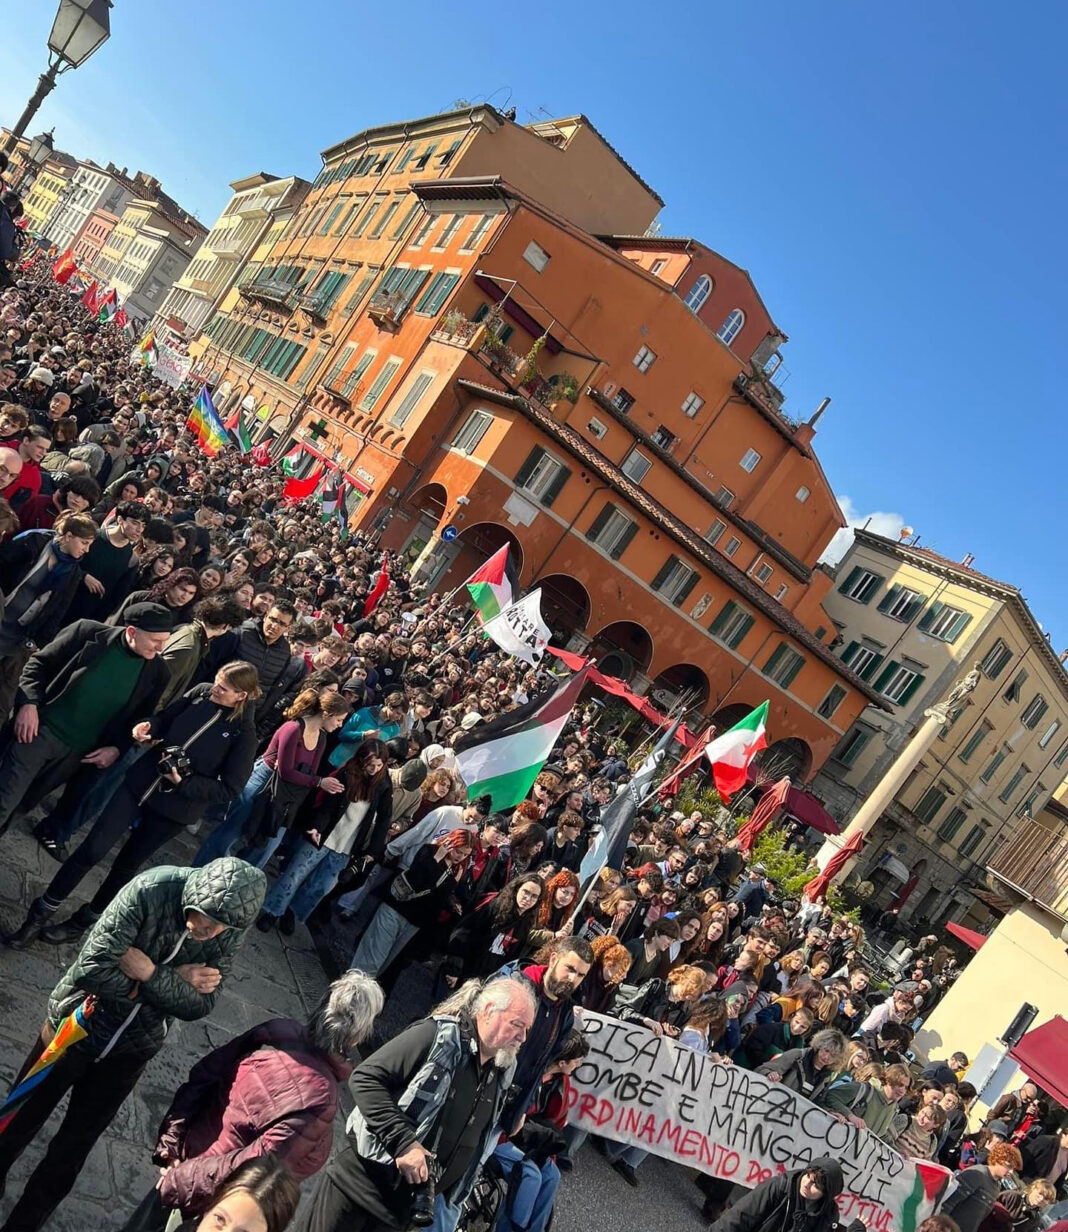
(520,630)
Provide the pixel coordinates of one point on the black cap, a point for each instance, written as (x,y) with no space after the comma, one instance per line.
(149,618)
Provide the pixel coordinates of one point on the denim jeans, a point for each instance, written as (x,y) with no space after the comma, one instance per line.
(387,934)
(308,879)
(633,1155)
(530,1202)
(232,823)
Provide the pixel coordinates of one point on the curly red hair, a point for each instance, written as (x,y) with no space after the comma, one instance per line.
(565,877)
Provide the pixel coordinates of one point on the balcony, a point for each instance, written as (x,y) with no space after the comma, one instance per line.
(274,291)
(315,305)
(387,309)
(1034,861)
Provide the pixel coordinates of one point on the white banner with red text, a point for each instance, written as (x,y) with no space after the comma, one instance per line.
(650,1092)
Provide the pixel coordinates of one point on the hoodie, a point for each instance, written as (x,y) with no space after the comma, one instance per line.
(776,1205)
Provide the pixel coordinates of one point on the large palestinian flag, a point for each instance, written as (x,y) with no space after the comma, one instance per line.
(502,758)
(731,753)
(492,585)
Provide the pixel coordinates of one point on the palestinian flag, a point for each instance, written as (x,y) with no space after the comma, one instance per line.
(928,1188)
(147,349)
(292,460)
(493,586)
(238,429)
(107,305)
(294,489)
(502,758)
(332,499)
(731,753)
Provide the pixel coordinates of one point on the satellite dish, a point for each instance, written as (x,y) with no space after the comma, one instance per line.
(906,532)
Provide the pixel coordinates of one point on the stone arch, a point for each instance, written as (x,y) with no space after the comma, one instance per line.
(727,716)
(565,604)
(679,679)
(790,758)
(622,648)
(477,543)
(431,500)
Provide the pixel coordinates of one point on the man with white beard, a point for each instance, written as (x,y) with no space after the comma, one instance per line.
(427,1109)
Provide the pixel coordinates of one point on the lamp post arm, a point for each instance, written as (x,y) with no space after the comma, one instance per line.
(45,84)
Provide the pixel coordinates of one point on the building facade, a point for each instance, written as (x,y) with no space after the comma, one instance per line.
(224,256)
(911,623)
(50,187)
(91,188)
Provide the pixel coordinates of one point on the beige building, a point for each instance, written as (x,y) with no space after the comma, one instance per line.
(912,623)
(91,188)
(49,189)
(250,214)
(148,250)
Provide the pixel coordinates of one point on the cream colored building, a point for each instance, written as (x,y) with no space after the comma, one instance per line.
(91,188)
(912,623)
(239,231)
(49,189)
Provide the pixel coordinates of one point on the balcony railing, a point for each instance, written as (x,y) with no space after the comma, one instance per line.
(387,308)
(274,291)
(1034,861)
(317,306)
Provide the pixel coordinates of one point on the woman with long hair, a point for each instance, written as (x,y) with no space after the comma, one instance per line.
(349,825)
(178,591)
(526,842)
(556,909)
(611,962)
(258,1196)
(612,913)
(495,932)
(713,939)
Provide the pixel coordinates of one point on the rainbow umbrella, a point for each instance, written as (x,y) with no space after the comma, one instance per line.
(70,1031)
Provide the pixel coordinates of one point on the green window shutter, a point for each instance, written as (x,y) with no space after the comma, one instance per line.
(481,311)
(599,523)
(776,657)
(849,652)
(682,595)
(728,610)
(556,483)
(872,667)
(790,676)
(527,469)
(910,690)
(929,616)
(958,626)
(624,540)
(851,577)
(885,676)
(740,633)
(889,598)
(665,569)
(915,605)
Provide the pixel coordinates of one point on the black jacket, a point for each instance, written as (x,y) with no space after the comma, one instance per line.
(220,746)
(1039,1155)
(50,672)
(17,558)
(777,1206)
(278,669)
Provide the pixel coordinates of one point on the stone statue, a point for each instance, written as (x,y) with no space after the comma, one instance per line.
(951,704)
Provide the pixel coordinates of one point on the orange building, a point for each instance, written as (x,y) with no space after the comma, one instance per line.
(515,370)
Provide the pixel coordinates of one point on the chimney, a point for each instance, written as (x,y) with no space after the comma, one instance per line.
(967,561)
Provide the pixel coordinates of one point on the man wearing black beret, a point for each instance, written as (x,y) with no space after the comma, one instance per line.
(77,701)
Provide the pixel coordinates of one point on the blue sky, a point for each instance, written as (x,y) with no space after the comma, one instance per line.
(892,176)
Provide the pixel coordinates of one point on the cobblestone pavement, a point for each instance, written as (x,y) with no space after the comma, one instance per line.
(273,976)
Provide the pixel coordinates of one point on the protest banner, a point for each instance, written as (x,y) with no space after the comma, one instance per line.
(520,630)
(649,1092)
(169,365)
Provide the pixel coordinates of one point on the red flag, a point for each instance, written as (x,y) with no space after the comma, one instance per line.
(64,268)
(379,589)
(121,319)
(297,489)
(89,297)
(261,454)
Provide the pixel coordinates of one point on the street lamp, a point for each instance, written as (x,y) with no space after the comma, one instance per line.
(40,150)
(80,27)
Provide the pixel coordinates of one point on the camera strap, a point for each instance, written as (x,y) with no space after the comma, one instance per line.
(184,748)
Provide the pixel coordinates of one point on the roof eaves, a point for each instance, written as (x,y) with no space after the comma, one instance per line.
(403,127)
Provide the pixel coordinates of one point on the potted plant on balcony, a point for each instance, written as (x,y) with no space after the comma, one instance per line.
(563,387)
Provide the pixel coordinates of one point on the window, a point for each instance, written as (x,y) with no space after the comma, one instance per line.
(995,764)
(712,535)
(764,573)
(902,604)
(645,359)
(1034,711)
(331,217)
(783,665)
(731,625)
(781,593)
(724,498)
(436,294)
(728,331)
(750,461)
(802,494)
(476,234)
(692,403)
(447,232)
(975,837)
(1049,733)
(733,544)
(536,256)
(849,750)
(623,400)
(542,476)
(385,220)
(1028,806)
(1012,693)
(675,580)
(944,622)
(658,265)
(612,531)
(860,585)
(447,155)
(951,823)
(405,222)
(347,352)
(411,399)
(1062,756)
(596,429)
(898,683)
(832,701)
(973,742)
(699,292)
(354,378)
(1005,795)
(466,440)
(995,660)
(421,162)
(378,386)
(863,657)
(635,466)
(420,236)
(929,803)
(665,439)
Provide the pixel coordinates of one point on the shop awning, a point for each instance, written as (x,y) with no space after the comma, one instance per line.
(1042,1054)
(972,939)
(806,808)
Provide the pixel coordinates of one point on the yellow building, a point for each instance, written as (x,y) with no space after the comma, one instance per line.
(912,623)
(52,182)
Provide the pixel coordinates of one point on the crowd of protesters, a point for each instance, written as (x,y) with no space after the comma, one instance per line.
(182,650)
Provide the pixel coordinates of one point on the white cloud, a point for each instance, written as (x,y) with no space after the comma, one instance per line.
(888,524)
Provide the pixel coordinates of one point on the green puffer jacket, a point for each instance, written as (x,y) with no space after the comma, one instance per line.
(149,914)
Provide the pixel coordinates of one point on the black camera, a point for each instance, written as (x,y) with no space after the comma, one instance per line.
(175,759)
(424,1196)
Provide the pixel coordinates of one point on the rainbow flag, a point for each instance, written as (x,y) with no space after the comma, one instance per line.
(70,1031)
(205,424)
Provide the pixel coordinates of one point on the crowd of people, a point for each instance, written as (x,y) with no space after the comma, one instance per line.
(182,651)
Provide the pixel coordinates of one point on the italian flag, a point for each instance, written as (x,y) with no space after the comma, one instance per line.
(731,753)
(491,587)
(502,758)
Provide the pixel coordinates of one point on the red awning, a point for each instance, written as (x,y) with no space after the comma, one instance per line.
(807,808)
(972,939)
(1042,1054)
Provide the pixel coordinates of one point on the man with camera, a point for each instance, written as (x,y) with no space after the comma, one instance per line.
(428,1105)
